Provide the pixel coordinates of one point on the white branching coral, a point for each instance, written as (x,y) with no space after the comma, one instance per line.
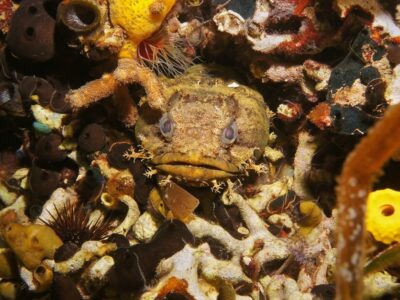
(311,76)
(283,287)
(89,250)
(189,267)
(316,254)
(379,284)
(265,41)
(302,163)
(269,192)
(392,93)
(188,264)
(145,227)
(95,276)
(382,19)
(131,217)
(273,247)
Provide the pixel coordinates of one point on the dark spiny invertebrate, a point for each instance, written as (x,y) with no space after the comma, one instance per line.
(72,224)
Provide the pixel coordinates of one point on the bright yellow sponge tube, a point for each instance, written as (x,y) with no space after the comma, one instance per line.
(383,215)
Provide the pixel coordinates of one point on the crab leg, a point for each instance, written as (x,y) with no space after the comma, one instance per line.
(124,103)
(128,71)
(92,91)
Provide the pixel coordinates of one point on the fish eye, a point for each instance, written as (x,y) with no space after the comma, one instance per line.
(230,133)
(166,126)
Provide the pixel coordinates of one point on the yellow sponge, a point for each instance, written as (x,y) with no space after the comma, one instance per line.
(383,215)
(139,19)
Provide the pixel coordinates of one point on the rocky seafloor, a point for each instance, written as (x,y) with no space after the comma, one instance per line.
(199,149)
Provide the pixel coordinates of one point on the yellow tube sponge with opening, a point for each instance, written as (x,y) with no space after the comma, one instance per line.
(383,215)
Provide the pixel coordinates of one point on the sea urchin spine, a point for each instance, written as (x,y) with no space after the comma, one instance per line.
(73,224)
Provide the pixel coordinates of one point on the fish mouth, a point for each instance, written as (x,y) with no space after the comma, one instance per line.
(194,166)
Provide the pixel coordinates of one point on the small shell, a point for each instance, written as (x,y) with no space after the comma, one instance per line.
(179,201)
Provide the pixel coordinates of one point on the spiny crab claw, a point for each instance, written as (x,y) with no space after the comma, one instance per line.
(127,72)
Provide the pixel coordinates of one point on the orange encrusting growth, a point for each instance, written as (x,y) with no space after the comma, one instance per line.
(302,39)
(300,6)
(175,285)
(358,174)
(395,40)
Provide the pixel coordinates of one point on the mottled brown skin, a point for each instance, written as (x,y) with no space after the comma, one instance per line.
(201,103)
